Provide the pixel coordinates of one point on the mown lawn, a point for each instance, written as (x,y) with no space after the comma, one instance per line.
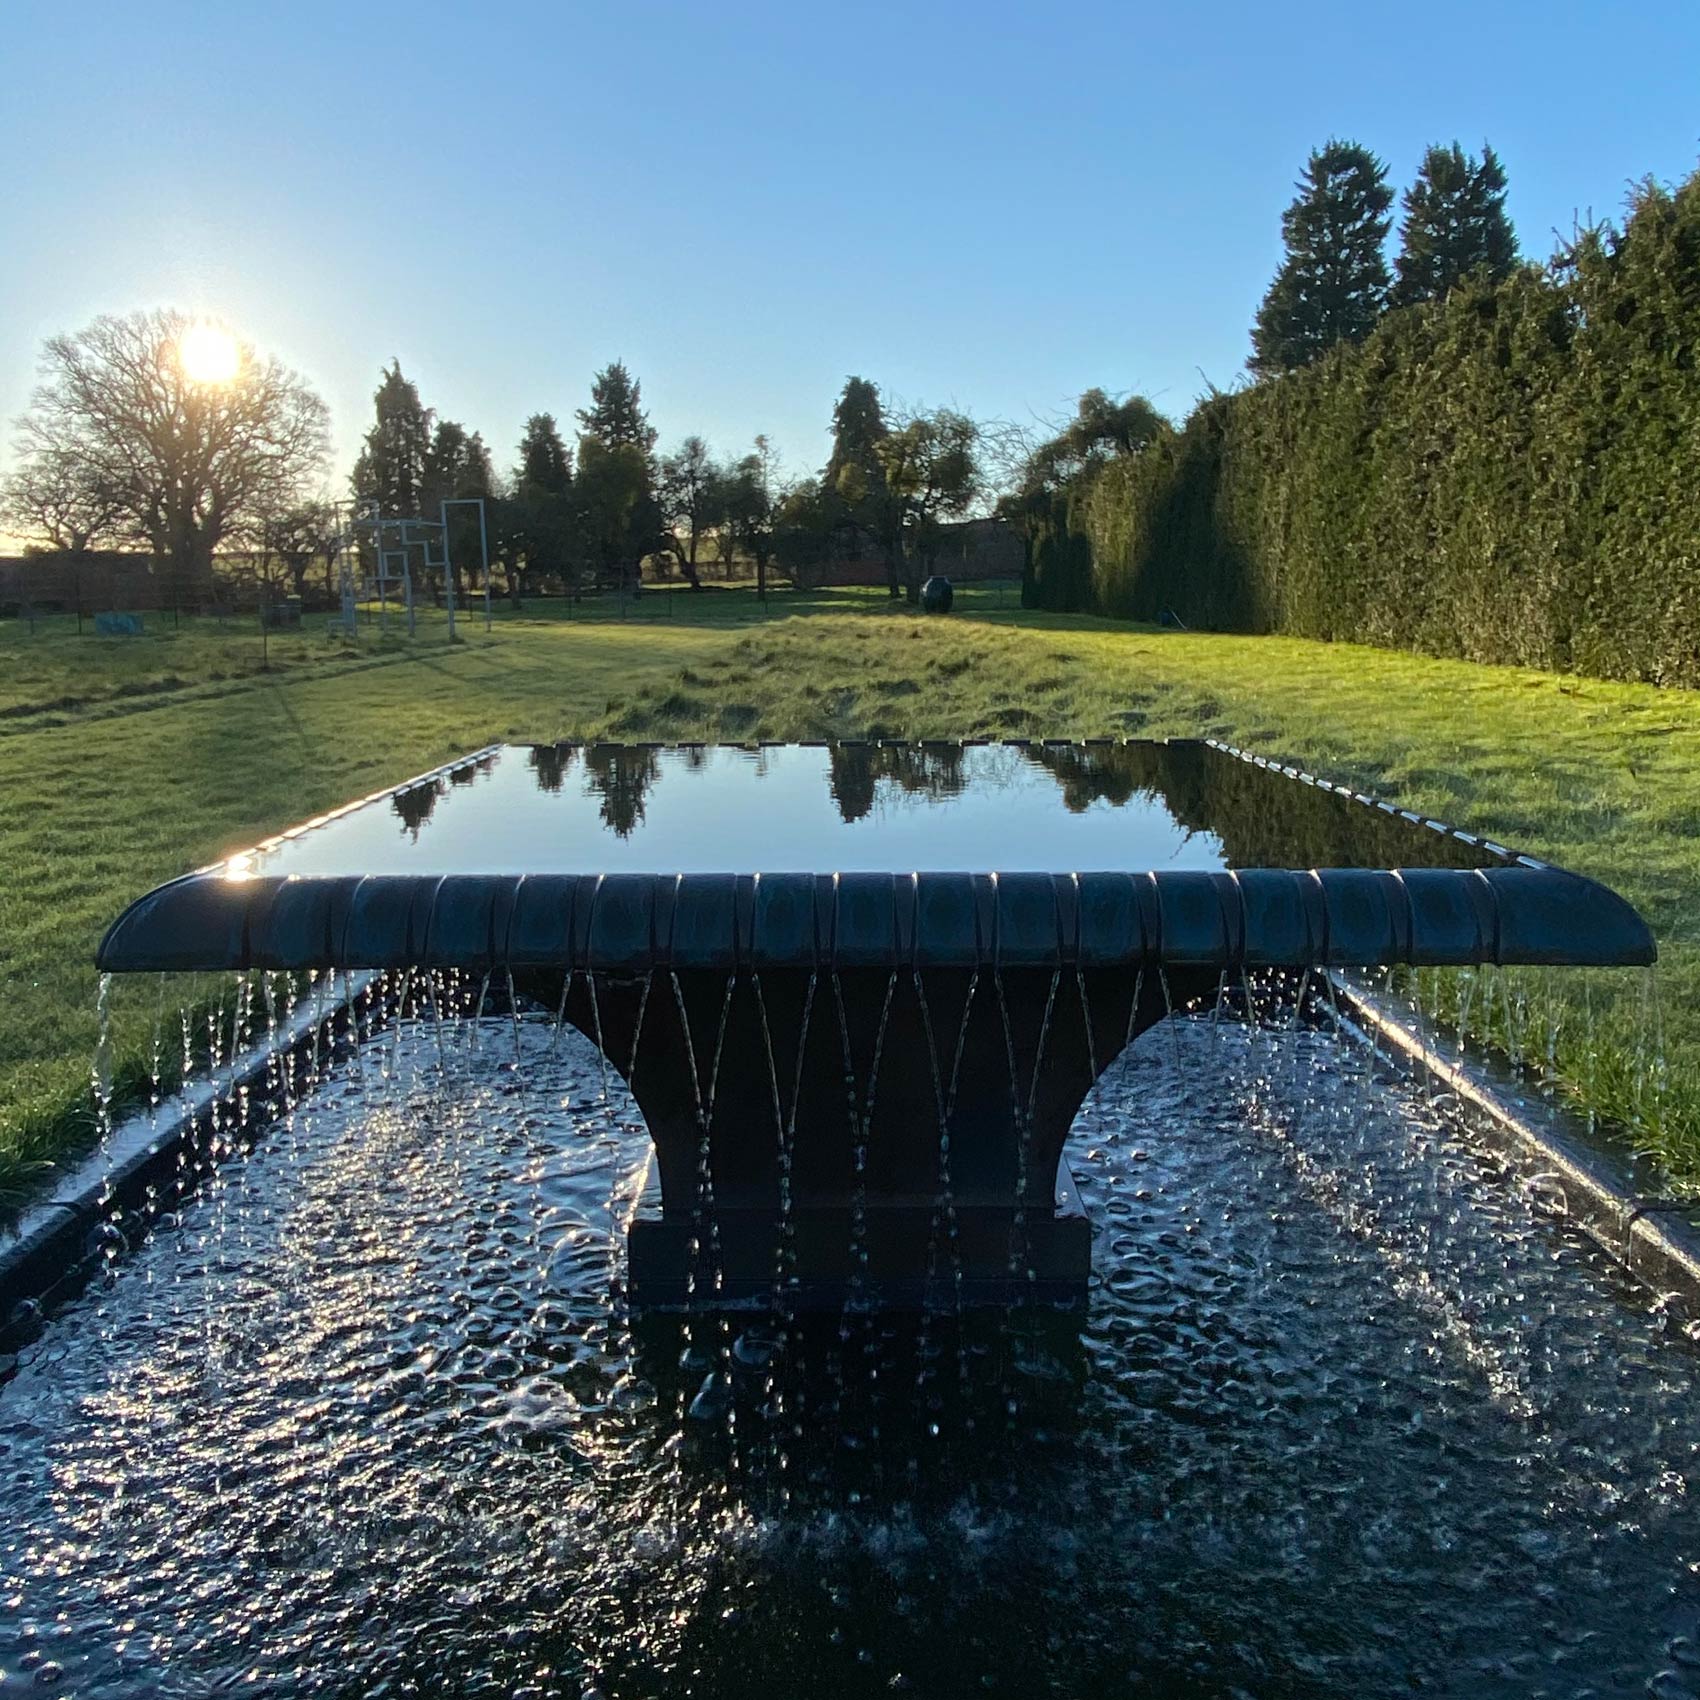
(123,764)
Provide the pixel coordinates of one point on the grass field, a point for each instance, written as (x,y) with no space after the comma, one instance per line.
(126,761)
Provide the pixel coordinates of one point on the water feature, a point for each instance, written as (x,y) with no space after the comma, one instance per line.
(386,1404)
(998,920)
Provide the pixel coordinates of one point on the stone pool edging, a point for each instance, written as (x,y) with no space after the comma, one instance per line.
(57,1243)
(1654,1238)
(1291,770)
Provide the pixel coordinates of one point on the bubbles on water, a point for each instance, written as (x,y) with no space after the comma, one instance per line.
(1347,1414)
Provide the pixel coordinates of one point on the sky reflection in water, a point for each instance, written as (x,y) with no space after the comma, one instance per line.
(861,807)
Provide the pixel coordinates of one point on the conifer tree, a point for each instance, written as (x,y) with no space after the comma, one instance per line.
(1332,286)
(391,468)
(537,527)
(616,475)
(615,417)
(545,462)
(456,464)
(457,467)
(1454,226)
(854,491)
(858,424)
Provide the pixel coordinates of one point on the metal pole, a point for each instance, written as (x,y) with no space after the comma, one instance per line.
(348,541)
(484,550)
(448,568)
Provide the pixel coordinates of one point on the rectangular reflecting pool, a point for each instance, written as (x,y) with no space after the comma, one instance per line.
(860,808)
(1104,854)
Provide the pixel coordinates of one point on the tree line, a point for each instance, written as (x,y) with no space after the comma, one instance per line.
(123,448)
(1484,458)
(1333,286)
(592,512)
(579,515)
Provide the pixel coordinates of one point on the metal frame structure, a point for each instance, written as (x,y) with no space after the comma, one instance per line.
(349,583)
(429,536)
(483,555)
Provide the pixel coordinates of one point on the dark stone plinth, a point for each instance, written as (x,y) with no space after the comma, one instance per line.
(895,1257)
(837,1067)
(1250,918)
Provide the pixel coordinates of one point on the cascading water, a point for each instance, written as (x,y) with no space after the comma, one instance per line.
(1347,1414)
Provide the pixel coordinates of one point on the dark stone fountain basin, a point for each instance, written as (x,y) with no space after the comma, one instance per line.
(860,990)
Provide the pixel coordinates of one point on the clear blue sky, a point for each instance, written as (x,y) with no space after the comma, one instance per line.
(986,204)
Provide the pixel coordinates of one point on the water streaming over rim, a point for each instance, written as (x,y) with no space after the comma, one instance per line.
(1346,1415)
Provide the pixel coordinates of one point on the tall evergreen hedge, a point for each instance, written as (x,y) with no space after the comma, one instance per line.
(1510,475)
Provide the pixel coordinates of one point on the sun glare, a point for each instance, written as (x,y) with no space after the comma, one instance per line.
(208,354)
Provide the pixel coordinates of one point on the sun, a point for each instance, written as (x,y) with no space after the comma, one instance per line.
(208,354)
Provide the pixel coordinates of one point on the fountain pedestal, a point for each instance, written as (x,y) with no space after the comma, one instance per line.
(893,1134)
(897,1258)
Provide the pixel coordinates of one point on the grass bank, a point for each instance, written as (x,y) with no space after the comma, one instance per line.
(107,798)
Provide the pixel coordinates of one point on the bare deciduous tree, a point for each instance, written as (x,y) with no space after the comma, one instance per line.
(57,499)
(931,462)
(303,533)
(184,463)
(693,498)
(753,496)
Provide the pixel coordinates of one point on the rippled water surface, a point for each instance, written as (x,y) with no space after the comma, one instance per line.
(1347,1416)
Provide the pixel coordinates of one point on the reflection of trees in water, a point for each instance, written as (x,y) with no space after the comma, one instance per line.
(415,804)
(1264,819)
(1114,773)
(551,763)
(931,770)
(621,776)
(850,778)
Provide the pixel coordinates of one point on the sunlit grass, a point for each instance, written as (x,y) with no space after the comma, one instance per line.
(108,793)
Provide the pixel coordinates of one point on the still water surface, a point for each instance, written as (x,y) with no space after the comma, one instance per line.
(858,808)
(1347,1416)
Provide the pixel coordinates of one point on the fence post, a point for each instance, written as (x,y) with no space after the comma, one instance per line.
(484,552)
